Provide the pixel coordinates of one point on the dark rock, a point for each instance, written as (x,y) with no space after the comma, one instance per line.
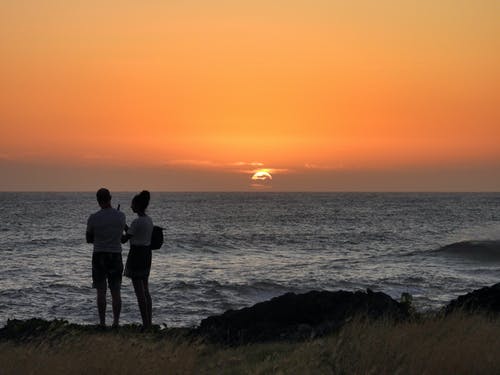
(485,300)
(299,316)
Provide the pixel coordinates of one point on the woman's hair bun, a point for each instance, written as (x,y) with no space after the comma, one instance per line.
(145,195)
(142,199)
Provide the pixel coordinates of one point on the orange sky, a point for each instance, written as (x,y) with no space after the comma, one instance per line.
(328,95)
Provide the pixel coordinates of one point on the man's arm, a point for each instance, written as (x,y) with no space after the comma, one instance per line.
(89,234)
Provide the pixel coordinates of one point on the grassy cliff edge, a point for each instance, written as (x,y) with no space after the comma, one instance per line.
(457,344)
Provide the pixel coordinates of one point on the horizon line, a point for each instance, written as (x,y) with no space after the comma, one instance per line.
(271,191)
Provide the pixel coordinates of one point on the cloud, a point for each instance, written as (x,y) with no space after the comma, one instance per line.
(279,170)
(245,164)
(268,170)
(242,167)
(260,186)
(323,167)
(232,166)
(194,163)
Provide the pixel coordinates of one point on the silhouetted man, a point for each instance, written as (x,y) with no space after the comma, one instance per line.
(104,230)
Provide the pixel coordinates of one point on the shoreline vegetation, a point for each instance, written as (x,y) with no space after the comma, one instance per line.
(462,338)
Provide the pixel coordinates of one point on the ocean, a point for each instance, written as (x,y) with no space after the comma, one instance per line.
(230,250)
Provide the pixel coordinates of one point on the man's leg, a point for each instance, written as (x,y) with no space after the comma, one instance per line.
(101,305)
(117,305)
(115,270)
(99,283)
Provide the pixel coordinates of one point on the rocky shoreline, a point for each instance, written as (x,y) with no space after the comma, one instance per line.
(290,317)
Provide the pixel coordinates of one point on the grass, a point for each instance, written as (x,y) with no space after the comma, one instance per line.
(457,344)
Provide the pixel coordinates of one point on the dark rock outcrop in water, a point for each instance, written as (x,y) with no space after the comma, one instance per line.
(477,250)
(299,316)
(486,300)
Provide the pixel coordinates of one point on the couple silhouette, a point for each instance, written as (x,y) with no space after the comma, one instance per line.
(107,230)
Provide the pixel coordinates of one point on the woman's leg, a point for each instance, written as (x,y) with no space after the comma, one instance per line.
(141,300)
(149,302)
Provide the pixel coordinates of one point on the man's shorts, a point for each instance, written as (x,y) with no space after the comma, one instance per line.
(107,266)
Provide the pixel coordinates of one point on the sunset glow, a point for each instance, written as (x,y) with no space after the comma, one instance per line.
(262,175)
(194,95)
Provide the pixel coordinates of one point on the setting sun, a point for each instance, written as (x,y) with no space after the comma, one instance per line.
(262,175)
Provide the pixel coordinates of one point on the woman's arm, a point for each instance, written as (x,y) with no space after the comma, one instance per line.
(126,236)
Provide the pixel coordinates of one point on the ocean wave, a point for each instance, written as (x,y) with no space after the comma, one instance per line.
(44,288)
(216,285)
(477,250)
(223,294)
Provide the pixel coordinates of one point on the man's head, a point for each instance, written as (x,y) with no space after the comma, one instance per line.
(103,197)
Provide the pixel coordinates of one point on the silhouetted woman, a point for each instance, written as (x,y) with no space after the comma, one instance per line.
(139,257)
